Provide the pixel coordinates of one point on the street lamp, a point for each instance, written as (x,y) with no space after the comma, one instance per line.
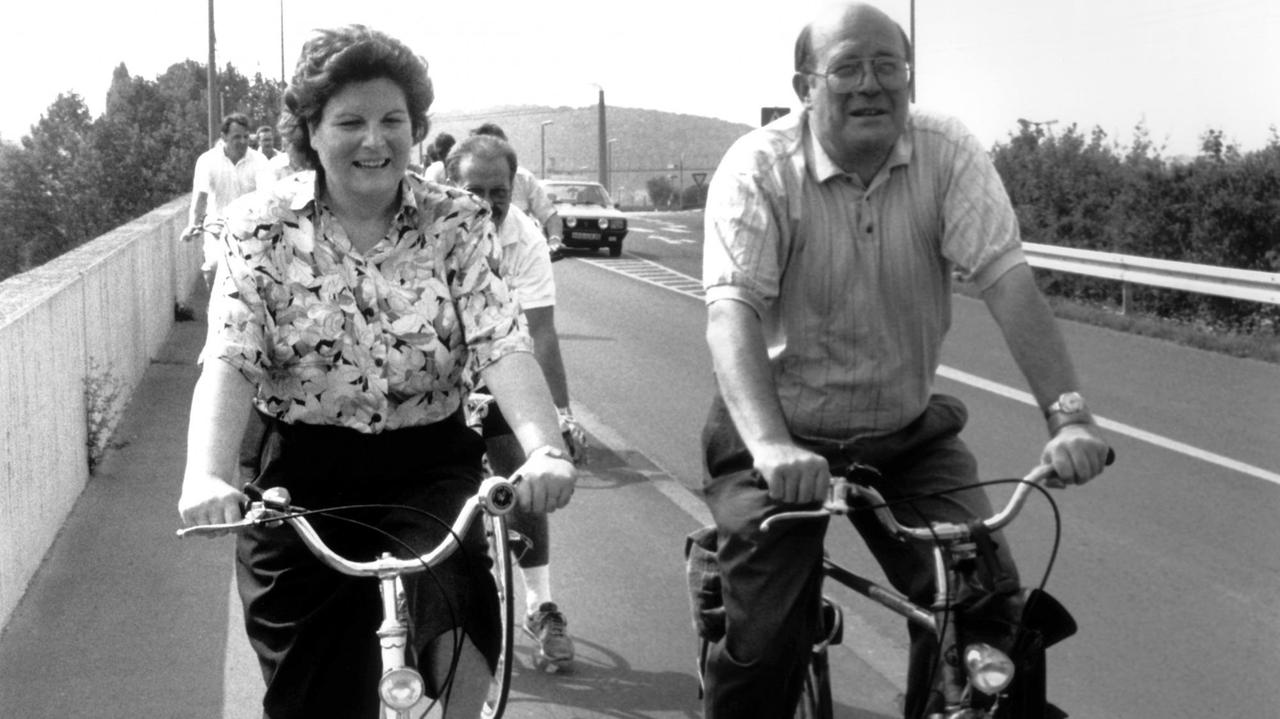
(543,132)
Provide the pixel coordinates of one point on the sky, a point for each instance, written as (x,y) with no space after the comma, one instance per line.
(1180,67)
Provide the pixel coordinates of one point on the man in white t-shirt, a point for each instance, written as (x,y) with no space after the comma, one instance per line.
(486,166)
(528,195)
(226,171)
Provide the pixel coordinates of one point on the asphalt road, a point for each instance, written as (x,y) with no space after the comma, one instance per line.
(1170,562)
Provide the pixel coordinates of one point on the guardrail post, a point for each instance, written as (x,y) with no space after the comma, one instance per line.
(1126,297)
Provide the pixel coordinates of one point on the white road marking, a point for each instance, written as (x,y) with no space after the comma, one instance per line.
(652,273)
(1118,427)
(882,653)
(670,279)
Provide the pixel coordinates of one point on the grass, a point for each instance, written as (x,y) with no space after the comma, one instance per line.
(1264,348)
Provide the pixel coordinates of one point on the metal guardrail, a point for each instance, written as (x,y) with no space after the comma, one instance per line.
(1248,285)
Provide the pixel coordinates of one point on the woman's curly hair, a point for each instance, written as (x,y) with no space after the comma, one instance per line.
(335,58)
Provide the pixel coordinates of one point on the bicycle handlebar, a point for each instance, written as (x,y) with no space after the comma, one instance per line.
(842,489)
(497,496)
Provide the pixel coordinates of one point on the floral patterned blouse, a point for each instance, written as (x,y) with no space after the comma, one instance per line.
(371,341)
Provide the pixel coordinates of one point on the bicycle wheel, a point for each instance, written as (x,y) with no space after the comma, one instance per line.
(815,695)
(500,555)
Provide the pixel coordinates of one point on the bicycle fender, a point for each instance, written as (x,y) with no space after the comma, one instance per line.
(1045,615)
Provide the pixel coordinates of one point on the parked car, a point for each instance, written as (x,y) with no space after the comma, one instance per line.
(591,219)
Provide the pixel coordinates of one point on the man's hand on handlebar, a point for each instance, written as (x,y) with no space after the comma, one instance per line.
(546,483)
(207,499)
(1078,453)
(793,474)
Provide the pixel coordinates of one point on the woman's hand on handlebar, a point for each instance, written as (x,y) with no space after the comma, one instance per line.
(207,499)
(1078,453)
(546,483)
(794,475)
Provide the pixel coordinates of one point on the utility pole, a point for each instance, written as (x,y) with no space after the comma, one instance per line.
(214,99)
(603,160)
(284,80)
(543,131)
(914,54)
(608,186)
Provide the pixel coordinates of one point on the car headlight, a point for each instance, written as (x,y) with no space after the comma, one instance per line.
(603,222)
(618,224)
(990,670)
(570,222)
(401,688)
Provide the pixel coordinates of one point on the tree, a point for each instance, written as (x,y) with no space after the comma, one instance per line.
(661,191)
(24,208)
(60,147)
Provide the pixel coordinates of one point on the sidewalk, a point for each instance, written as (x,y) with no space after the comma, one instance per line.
(120,605)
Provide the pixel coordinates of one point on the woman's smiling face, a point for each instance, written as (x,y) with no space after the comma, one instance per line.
(363,139)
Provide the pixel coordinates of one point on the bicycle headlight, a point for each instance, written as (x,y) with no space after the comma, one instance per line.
(990,670)
(401,688)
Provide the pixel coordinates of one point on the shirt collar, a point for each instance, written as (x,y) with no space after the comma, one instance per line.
(307,189)
(511,227)
(824,168)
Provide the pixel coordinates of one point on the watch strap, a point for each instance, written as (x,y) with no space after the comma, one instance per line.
(1058,419)
(548,450)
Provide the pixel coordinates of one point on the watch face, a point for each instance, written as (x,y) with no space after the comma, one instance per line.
(1070,403)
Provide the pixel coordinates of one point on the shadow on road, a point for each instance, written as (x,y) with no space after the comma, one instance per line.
(602,684)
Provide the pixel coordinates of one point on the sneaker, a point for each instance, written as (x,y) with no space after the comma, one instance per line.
(548,628)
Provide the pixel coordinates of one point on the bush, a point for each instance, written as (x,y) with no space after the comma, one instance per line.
(1222,208)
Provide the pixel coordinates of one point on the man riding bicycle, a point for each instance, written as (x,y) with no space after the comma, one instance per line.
(831,238)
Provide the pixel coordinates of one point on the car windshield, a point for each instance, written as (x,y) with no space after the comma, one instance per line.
(584,194)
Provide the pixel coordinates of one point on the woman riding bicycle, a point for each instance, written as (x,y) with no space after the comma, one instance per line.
(352,302)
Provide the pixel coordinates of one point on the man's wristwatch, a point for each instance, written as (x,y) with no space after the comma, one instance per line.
(1069,408)
(553,452)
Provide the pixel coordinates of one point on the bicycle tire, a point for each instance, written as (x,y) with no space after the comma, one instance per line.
(500,556)
(815,694)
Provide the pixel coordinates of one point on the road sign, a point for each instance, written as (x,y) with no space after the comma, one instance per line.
(769,114)
(698,177)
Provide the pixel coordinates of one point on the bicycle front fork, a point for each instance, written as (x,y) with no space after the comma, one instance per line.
(401,687)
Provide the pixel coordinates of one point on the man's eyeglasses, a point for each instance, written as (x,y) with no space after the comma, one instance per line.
(890,72)
(492,194)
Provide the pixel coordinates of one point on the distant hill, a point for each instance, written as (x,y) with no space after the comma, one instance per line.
(649,142)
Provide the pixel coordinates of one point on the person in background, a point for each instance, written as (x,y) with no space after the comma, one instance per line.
(278,160)
(528,195)
(266,141)
(486,167)
(831,237)
(226,171)
(353,304)
(437,151)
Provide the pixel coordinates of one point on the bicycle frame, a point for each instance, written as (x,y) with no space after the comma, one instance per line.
(400,687)
(969,689)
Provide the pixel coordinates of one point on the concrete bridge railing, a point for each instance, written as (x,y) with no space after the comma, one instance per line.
(76,335)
